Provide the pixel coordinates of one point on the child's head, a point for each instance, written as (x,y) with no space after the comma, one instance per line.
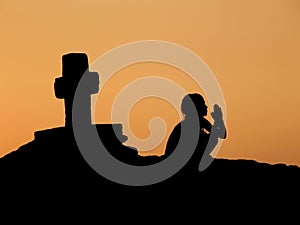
(198,102)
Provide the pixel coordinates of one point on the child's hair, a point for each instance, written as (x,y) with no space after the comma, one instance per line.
(198,102)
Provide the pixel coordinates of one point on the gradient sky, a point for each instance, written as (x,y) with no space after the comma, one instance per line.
(252,47)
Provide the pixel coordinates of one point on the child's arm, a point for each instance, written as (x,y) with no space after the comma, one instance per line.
(217,115)
(205,124)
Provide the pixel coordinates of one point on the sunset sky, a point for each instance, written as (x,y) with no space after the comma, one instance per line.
(252,47)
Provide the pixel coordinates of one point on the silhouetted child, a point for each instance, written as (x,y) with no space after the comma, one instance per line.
(205,129)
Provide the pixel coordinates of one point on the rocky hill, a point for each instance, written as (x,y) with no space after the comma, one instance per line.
(52,163)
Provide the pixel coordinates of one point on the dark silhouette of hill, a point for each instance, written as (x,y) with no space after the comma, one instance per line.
(53,162)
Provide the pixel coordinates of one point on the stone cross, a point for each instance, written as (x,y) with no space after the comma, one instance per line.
(74,68)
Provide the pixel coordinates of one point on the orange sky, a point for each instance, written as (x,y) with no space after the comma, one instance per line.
(252,47)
